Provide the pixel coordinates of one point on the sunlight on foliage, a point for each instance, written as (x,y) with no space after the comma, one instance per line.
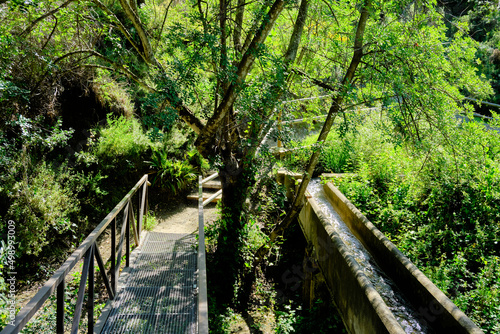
(438,202)
(122,140)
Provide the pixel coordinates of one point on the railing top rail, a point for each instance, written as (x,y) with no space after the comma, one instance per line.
(28,311)
(209,200)
(211,177)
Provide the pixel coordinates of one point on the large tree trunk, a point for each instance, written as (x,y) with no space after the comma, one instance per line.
(236,181)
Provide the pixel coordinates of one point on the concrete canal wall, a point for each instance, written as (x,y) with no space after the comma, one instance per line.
(360,305)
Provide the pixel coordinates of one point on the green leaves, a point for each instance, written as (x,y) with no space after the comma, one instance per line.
(171,174)
(42,208)
(439,203)
(123,139)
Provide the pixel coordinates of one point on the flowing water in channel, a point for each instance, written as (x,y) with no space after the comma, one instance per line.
(402,309)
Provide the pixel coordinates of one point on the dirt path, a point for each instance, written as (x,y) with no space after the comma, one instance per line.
(183,218)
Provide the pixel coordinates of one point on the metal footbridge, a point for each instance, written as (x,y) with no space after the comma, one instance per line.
(159,294)
(156,282)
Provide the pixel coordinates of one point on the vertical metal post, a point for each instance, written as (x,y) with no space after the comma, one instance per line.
(127,238)
(138,222)
(136,233)
(142,205)
(113,256)
(90,299)
(81,290)
(202,270)
(60,307)
(146,205)
(200,192)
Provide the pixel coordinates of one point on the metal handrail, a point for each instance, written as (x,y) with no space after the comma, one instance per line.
(202,265)
(210,178)
(209,200)
(89,250)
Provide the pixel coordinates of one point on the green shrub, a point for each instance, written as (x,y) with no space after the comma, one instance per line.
(174,175)
(335,154)
(37,191)
(122,143)
(112,95)
(150,221)
(196,160)
(42,208)
(439,202)
(286,320)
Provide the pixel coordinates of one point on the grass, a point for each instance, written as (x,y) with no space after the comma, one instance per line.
(150,221)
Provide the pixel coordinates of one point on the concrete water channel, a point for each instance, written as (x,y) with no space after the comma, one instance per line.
(374,286)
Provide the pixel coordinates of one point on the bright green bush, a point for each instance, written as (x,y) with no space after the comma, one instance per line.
(122,143)
(439,202)
(36,195)
(150,221)
(40,191)
(171,174)
(42,208)
(336,154)
(111,94)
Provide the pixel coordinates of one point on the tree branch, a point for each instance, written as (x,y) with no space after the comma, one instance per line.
(238,25)
(315,81)
(223,62)
(185,114)
(202,17)
(51,34)
(148,55)
(298,28)
(332,113)
(121,27)
(147,50)
(44,16)
(289,57)
(250,36)
(204,141)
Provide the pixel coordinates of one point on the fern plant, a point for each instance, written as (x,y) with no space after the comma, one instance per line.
(171,174)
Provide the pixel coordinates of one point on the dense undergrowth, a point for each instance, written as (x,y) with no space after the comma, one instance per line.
(438,200)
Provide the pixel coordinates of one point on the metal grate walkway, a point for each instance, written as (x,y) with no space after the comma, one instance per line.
(159,295)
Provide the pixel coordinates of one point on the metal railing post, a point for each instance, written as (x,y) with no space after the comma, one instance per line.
(60,307)
(113,256)
(146,206)
(142,207)
(202,269)
(127,238)
(81,290)
(90,298)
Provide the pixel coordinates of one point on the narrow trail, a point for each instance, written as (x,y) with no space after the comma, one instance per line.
(183,218)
